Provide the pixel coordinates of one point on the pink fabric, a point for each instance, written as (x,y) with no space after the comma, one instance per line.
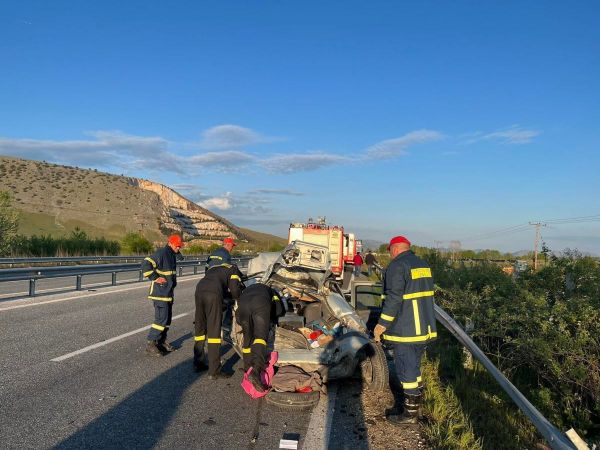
(266,376)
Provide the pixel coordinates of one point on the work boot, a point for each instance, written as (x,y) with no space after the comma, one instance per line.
(152,349)
(410,414)
(166,347)
(199,366)
(219,374)
(254,378)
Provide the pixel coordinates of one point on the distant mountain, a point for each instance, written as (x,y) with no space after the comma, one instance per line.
(55,199)
(370,244)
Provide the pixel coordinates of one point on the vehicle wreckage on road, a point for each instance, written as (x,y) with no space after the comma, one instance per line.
(321,331)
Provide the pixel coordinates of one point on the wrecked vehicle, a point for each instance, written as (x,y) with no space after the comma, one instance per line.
(321,332)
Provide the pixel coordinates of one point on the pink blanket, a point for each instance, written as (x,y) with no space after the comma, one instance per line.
(266,376)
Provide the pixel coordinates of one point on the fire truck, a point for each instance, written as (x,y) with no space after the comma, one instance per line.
(342,246)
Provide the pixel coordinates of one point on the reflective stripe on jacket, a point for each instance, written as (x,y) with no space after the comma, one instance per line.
(408,312)
(163,263)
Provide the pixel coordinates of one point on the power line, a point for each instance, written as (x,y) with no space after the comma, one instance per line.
(525,226)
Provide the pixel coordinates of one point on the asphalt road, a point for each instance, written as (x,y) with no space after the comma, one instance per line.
(112,395)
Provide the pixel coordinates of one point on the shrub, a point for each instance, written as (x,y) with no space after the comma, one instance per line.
(137,244)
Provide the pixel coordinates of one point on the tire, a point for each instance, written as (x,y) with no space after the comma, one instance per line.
(374,368)
(293,401)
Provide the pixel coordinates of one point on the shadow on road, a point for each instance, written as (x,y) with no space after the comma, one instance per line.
(140,420)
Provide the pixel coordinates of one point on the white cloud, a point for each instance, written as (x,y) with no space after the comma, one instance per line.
(392,148)
(234,205)
(226,159)
(302,162)
(277,192)
(222,203)
(513,135)
(114,149)
(231,136)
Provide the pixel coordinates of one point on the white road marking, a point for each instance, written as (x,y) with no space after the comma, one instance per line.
(319,427)
(94,294)
(108,341)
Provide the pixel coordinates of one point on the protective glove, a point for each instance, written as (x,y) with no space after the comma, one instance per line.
(377,332)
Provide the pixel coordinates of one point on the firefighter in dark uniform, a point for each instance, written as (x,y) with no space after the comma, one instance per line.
(407,321)
(222,255)
(218,282)
(258,307)
(161,270)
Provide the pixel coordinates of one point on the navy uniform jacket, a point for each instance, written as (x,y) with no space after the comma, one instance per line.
(218,257)
(408,313)
(258,295)
(161,264)
(219,280)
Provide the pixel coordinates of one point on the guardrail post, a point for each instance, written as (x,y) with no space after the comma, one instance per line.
(141,278)
(180,271)
(195,270)
(32,287)
(114,278)
(78,282)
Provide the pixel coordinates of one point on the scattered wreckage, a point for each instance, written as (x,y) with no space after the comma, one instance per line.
(321,332)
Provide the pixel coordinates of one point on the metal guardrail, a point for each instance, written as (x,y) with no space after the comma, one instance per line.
(33,274)
(556,439)
(79,259)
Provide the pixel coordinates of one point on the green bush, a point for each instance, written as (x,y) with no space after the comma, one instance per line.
(541,329)
(9,221)
(77,244)
(135,243)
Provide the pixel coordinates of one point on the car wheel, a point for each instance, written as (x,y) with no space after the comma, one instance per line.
(374,368)
(293,401)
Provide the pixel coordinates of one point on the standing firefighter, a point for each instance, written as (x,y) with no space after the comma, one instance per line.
(408,321)
(161,269)
(258,306)
(222,255)
(210,291)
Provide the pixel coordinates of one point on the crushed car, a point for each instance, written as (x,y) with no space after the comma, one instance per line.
(320,332)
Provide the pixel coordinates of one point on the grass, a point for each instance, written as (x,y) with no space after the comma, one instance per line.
(467,408)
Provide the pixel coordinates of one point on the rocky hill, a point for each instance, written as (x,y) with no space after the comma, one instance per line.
(55,199)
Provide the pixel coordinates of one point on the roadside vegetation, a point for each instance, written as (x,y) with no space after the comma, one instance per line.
(541,329)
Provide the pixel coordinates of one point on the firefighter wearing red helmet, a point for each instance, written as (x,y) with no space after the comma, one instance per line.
(161,270)
(408,321)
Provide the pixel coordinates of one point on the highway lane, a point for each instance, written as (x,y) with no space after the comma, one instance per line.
(114,395)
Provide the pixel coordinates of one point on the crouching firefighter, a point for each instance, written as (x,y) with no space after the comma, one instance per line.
(258,307)
(161,270)
(407,322)
(210,291)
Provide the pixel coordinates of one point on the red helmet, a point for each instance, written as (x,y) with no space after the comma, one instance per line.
(229,240)
(398,240)
(175,240)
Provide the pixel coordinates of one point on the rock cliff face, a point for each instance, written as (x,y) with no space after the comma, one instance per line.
(179,214)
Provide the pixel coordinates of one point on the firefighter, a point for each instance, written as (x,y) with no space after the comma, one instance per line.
(222,255)
(210,291)
(258,307)
(407,321)
(161,270)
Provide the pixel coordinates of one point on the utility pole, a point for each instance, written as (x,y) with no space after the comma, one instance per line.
(536,242)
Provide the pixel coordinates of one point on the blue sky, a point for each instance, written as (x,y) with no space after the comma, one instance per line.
(438,120)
